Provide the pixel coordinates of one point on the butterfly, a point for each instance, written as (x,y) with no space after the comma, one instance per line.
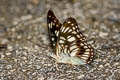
(68,43)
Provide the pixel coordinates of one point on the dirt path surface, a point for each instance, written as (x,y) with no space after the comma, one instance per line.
(25,20)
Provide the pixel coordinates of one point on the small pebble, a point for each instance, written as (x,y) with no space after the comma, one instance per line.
(8,53)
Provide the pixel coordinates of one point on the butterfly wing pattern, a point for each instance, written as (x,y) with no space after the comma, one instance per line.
(53,28)
(70,45)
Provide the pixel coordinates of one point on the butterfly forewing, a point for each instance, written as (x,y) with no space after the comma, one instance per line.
(72,42)
(53,27)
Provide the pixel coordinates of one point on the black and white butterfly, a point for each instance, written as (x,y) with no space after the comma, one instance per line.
(69,44)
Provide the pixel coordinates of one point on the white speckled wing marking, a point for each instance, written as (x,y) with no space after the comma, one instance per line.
(53,28)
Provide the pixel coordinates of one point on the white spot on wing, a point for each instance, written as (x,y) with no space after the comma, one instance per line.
(65,50)
(53,44)
(61,41)
(76,26)
(76,49)
(62,38)
(87,53)
(73,32)
(62,29)
(66,29)
(82,44)
(85,47)
(72,24)
(73,28)
(69,22)
(85,58)
(73,47)
(74,53)
(78,35)
(81,35)
(51,25)
(71,39)
(53,39)
(54,20)
(55,31)
(77,30)
(85,43)
(56,25)
(70,30)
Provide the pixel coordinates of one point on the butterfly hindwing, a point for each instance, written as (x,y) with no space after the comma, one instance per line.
(53,27)
(73,43)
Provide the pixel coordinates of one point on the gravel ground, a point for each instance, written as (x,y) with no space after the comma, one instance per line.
(25,20)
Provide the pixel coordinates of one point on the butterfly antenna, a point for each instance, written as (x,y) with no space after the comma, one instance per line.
(38,44)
